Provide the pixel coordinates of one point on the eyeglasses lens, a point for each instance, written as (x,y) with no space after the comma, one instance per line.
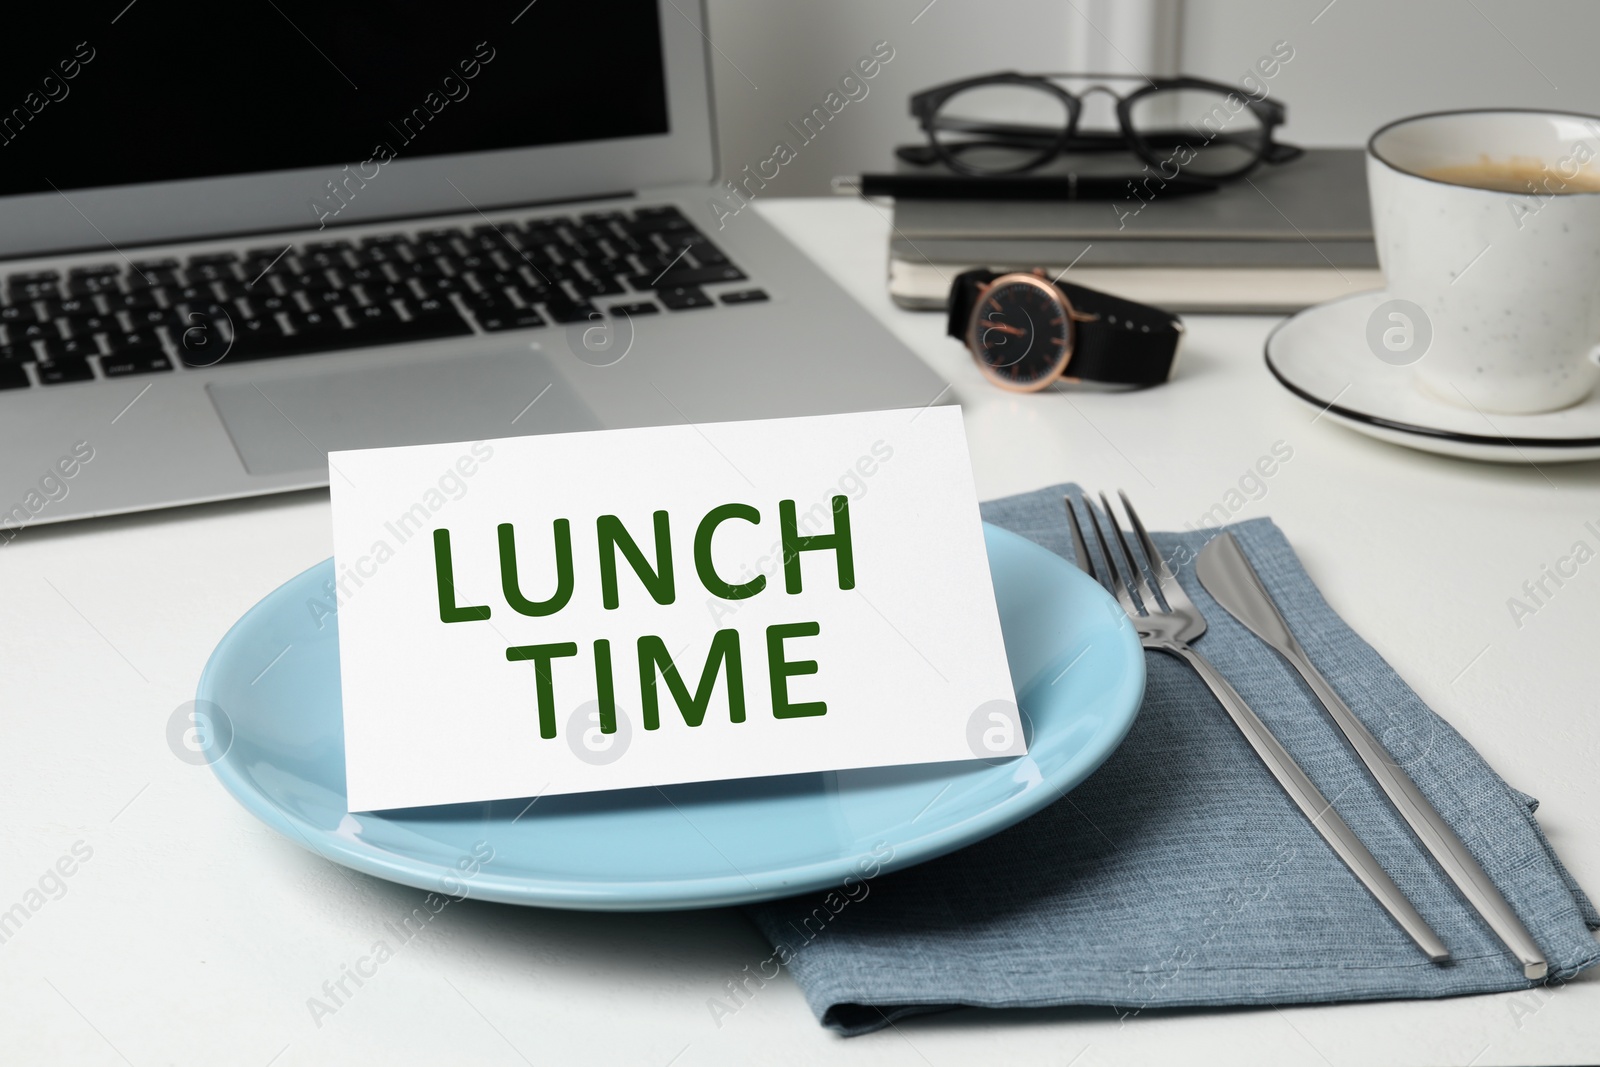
(1000,129)
(1201,132)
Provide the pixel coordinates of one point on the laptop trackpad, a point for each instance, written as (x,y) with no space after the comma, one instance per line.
(284,424)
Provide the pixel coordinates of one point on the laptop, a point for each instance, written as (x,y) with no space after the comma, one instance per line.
(235,239)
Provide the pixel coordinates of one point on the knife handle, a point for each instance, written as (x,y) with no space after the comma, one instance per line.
(1426,822)
(1315,807)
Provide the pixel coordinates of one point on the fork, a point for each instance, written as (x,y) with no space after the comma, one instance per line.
(1169,623)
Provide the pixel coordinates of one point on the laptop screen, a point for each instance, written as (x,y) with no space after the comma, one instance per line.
(161,91)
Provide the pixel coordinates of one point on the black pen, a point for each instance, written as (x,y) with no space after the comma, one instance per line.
(1049,187)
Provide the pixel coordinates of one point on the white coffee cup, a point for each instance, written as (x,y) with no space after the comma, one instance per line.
(1509,281)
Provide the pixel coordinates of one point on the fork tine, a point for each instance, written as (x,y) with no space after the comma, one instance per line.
(1158,562)
(1141,585)
(1171,591)
(1149,576)
(1116,584)
(1080,551)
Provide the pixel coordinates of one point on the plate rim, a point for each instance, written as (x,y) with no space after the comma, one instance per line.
(1352,415)
(716,891)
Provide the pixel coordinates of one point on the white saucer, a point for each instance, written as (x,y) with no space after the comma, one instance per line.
(1321,356)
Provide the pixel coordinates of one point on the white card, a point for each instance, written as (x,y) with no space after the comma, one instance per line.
(474,662)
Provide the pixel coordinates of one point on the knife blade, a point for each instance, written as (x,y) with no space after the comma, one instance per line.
(1228,576)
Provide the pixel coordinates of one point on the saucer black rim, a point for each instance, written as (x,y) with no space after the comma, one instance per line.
(1499,441)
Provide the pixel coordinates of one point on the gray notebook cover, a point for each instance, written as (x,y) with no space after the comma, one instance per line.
(1275,216)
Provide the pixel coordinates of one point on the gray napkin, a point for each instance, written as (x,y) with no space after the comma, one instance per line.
(1180,874)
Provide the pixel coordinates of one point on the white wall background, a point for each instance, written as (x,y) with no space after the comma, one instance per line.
(1357,63)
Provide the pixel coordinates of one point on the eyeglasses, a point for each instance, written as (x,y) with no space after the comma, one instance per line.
(1011,123)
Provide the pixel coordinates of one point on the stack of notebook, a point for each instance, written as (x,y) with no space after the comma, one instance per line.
(1282,238)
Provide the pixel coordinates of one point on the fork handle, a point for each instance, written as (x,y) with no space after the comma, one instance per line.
(1315,807)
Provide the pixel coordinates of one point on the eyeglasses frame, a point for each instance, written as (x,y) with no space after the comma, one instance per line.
(925,107)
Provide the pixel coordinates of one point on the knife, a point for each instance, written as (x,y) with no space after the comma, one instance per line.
(1230,579)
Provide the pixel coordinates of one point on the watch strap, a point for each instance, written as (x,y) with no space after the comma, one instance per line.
(1115,341)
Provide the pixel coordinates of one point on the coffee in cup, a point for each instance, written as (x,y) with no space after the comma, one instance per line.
(1489,221)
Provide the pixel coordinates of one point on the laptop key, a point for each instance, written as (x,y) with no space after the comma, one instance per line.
(210,272)
(565,310)
(491,239)
(430,248)
(487,300)
(319,261)
(319,324)
(134,361)
(200,336)
(439,287)
(13,376)
(682,277)
(255,339)
(327,299)
(372,255)
(153,316)
(61,372)
(510,318)
(603,285)
(659,224)
(191,294)
(132,340)
(375,320)
(90,284)
(153,278)
(382,292)
(643,307)
(428,267)
(706,254)
(73,348)
(269,305)
(681,298)
(553,222)
(18,291)
(380,325)
(430,307)
(258,260)
(528,294)
(69,307)
(609,266)
(446,323)
(85,325)
(134,301)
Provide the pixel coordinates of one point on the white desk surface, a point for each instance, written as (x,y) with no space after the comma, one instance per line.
(194,935)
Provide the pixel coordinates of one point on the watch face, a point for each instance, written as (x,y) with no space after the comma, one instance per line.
(1021,333)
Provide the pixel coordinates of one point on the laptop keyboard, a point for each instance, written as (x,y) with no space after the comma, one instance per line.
(115,319)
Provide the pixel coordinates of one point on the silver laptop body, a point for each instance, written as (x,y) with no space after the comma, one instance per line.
(473,274)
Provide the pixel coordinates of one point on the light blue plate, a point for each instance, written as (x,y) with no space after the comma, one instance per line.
(1075,662)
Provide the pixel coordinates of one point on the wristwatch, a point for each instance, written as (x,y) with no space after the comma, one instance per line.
(1027,332)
